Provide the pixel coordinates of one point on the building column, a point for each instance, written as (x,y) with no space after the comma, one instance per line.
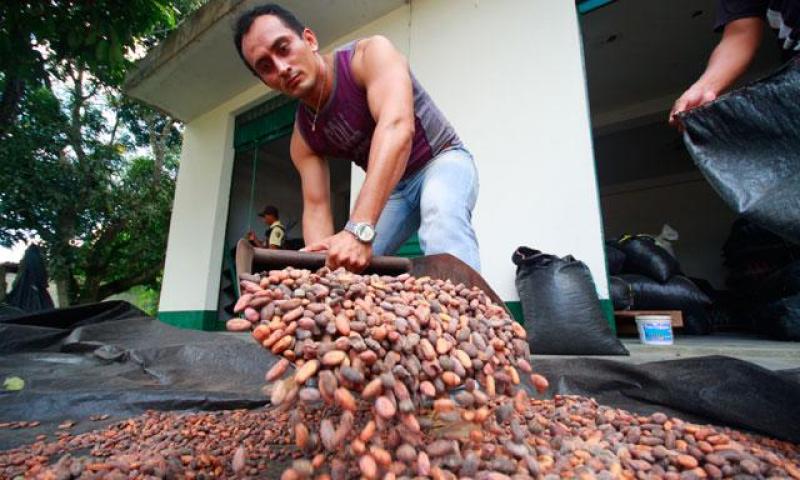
(197,229)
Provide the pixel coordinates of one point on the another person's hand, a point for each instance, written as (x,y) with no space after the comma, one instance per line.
(251,236)
(344,250)
(696,96)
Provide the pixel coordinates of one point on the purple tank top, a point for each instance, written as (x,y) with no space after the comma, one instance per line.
(345,125)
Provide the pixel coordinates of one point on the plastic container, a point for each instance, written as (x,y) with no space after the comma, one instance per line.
(655,329)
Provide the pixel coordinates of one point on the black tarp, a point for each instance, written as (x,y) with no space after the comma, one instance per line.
(747,144)
(111,359)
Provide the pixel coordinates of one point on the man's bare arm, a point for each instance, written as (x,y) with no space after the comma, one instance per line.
(729,60)
(384,73)
(315,178)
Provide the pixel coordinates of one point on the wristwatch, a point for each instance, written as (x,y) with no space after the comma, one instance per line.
(365,232)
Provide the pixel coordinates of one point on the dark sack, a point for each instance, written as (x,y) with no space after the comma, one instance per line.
(781,284)
(621,293)
(679,293)
(782,320)
(560,305)
(747,144)
(644,257)
(615,258)
(29,292)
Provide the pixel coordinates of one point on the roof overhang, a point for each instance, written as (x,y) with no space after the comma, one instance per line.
(197,68)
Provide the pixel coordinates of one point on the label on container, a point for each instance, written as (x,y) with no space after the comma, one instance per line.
(656,332)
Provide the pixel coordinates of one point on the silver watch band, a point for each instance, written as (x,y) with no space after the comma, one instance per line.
(357,228)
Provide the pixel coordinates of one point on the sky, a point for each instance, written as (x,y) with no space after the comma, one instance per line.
(13,254)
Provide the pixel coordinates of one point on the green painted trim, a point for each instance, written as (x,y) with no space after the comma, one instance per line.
(516,311)
(586,6)
(265,123)
(607,306)
(194,319)
(410,248)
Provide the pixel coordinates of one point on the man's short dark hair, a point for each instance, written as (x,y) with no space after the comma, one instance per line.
(246,20)
(270,210)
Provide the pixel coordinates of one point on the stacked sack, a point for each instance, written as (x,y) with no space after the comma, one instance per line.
(763,282)
(645,276)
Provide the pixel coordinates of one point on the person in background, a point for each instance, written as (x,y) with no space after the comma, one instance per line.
(742,24)
(275,234)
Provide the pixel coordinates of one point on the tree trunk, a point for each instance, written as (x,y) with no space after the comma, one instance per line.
(62,291)
(9,105)
(14,75)
(3,285)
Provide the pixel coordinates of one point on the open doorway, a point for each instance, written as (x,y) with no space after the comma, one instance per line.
(640,55)
(263,174)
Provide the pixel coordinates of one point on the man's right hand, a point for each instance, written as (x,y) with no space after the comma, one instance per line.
(696,96)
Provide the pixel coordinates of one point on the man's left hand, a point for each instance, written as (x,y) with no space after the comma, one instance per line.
(344,250)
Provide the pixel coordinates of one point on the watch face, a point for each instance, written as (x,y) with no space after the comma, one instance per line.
(365,232)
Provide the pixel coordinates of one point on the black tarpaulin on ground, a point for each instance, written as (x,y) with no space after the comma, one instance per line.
(111,359)
(747,144)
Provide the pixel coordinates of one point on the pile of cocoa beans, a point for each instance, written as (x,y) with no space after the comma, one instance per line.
(396,378)
(421,377)
(392,348)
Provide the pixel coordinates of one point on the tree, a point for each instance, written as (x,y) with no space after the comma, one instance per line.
(94,35)
(84,169)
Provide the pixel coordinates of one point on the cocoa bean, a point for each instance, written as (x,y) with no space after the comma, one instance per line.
(384,407)
(368,467)
(345,399)
(238,325)
(306,371)
(333,358)
(277,370)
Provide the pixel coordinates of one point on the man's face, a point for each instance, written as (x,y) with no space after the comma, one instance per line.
(269,219)
(283,60)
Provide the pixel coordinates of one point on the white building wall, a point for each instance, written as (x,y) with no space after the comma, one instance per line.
(197,228)
(509,76)
(514,88)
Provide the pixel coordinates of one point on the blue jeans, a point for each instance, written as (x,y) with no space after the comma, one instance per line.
(438,201)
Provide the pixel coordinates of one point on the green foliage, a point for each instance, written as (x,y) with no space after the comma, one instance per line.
(95,35)
(86,171)
(146,299)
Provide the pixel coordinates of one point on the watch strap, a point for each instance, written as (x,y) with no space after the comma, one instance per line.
(352,227)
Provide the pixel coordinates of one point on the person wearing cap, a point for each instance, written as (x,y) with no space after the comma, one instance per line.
(362,103)
(275,234)
(742,24)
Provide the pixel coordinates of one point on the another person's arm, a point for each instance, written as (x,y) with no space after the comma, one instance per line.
(251,236)
(315,179)
(728,61)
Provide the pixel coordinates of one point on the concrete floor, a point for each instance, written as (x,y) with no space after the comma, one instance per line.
(767,353)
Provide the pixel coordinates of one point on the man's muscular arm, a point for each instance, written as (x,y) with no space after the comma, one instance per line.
(315,178)
(383,72)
